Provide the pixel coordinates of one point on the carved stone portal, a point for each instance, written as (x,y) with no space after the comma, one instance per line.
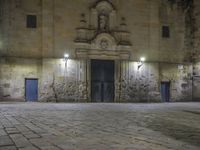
(102,37)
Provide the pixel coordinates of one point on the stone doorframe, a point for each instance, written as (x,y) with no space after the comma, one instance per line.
(117,79)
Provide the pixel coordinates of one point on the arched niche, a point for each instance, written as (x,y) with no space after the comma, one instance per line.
(103,16)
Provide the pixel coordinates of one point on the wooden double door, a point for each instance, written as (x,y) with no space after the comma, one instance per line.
(102,80)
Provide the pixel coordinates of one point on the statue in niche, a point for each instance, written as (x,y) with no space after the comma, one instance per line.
(103,22)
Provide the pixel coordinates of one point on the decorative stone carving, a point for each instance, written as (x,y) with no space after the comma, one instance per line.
(108,41)
(83,21)
(102,34)
(104,44)
(82,30)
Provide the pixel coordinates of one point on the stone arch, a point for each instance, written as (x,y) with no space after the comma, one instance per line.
(104,6)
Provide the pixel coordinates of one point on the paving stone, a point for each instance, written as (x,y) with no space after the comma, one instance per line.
(8,148)
(49,126)
(41,142)
(12,130)
(49,148)
(20,140)
(29,148)
(31,136)
(2,132)
(12,119)
(5,140)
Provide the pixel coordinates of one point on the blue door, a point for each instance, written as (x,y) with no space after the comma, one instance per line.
(31,90)
(165,91)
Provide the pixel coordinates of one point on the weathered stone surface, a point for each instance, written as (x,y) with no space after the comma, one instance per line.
(13,72)
(20,141)
(58,82)
(5,141)
(63,81)
(102,126)
(8,148)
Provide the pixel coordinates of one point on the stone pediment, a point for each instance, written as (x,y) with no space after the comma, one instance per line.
(102,36)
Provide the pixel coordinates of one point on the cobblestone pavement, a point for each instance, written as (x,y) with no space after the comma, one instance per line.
(48,126)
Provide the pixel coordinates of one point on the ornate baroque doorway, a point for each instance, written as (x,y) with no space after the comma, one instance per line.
(102,38)
(102,81)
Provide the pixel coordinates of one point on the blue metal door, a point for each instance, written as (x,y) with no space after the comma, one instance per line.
(31,90)
(165,91)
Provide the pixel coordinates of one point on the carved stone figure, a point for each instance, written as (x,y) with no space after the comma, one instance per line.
(104,44)
(103,22)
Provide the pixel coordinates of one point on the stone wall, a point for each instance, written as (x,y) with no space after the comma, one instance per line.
(57,21)
(63,81)
(180,78)
(143,85)
(69,81)
(13,72)
(139,85)
(58,81)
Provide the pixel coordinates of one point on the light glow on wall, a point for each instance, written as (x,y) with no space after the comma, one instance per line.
(66,56)
(141,63)
(142,59)
(62,63)
(135,64)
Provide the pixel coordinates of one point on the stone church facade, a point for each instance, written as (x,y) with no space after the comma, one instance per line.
(105,40)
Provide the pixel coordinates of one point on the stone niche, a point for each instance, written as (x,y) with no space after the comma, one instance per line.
(102,37)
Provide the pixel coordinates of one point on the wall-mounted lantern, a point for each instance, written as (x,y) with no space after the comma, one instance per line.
(141,63)
(66,57)
(180,67)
